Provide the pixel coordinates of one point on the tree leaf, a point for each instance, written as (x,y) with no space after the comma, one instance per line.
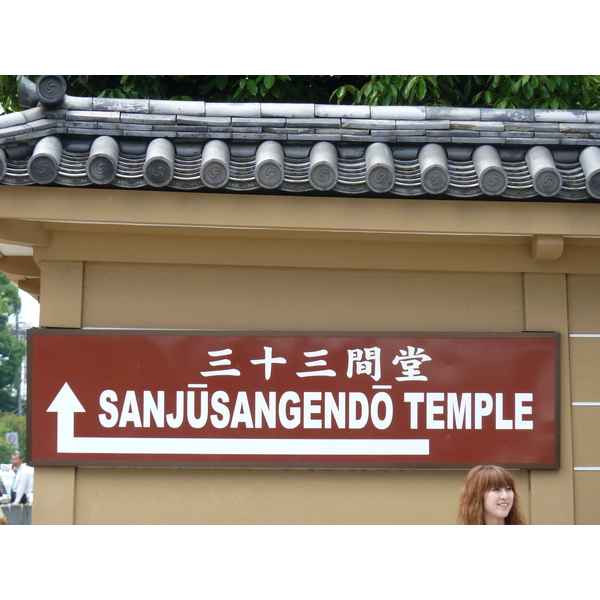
(251,86)
(221,81)
(409,86)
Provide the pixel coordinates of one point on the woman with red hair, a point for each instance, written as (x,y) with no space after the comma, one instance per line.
(488,497)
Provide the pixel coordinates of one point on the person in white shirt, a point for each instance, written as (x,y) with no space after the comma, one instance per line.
(21,492)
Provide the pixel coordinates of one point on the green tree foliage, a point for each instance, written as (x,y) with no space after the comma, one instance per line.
(8,424)
(9,93)
(12,350)
(496,91)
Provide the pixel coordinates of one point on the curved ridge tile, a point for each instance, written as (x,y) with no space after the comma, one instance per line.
(44,163)
(547,180)
(269,167)
(215,164)
(434,169)
(101,166)
(380,172)
(28,95)
(590,162)
(12,119)
(323,166)
(488,166)
(48,90)
(159,164)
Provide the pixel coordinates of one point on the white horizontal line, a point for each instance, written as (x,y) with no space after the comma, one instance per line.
(259,447)
(584,335)
(585,403)
(381,387)
(586,468)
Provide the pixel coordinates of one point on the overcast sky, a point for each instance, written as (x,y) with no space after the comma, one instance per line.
(30,310)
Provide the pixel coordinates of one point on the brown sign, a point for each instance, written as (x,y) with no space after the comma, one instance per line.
(232,399)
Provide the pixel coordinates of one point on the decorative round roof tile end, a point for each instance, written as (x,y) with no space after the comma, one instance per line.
(434,168)
(270,159)
(51,89)
(269,174)
(45,160)
(101,167)
(381,174)
(493,181)
(100,170)
(214,173)
(547,182)
(380,178)
(323,166)
(42,169)
(435,179)
(323,176)
(158,171)
(159,167)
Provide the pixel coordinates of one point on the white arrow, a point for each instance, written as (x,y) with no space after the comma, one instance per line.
(66,404)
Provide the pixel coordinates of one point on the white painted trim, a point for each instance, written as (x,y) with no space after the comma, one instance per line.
(584,335)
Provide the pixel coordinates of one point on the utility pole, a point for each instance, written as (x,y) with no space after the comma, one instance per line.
(18,336)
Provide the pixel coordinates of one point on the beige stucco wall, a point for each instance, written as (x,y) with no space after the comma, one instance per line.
(584,318)
(326,264)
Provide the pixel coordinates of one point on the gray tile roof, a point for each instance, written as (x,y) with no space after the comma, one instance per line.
(406,151)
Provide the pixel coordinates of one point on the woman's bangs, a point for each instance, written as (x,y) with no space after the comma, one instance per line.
(496,478)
